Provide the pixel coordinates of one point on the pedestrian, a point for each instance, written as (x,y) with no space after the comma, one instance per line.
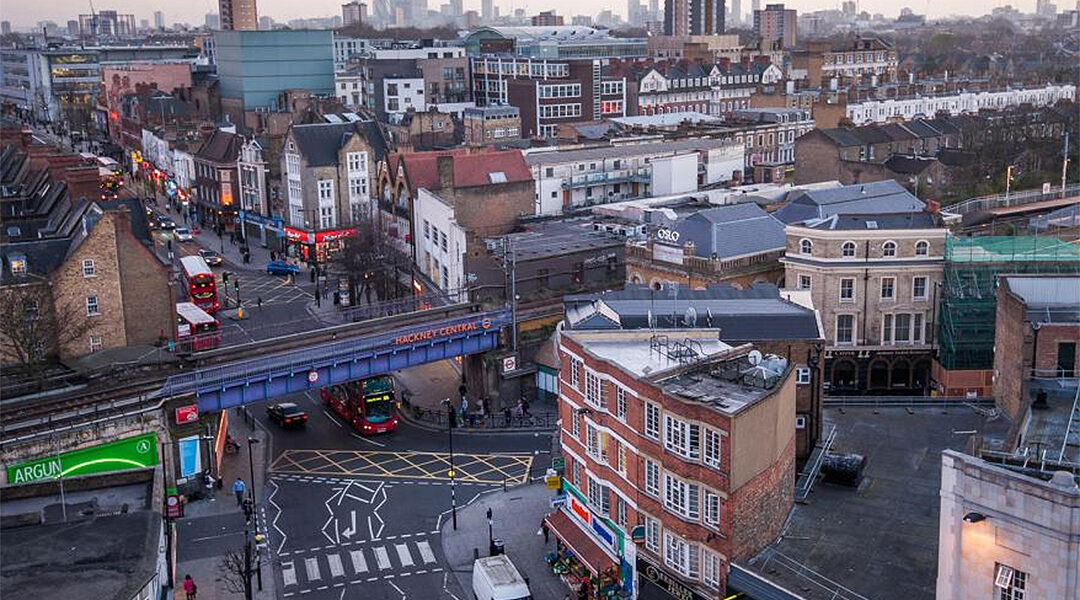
(506,416)
(190,589)
(273,255)
(544,528)
(525,407)
(238,488)
(480,411)
(464,410)
(258,302)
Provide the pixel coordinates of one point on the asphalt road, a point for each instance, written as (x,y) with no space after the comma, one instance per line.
(355,517)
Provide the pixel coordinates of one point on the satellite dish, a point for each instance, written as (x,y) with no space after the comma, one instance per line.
(691,316)
(754,357)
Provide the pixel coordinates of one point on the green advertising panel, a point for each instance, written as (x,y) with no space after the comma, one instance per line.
(129,453)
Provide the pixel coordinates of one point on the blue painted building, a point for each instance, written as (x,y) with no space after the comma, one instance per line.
(255,67)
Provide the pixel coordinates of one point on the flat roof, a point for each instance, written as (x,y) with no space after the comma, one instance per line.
(555,238)
(596,153)
(880,539)
(631,351)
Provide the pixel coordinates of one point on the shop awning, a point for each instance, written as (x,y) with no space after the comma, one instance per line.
(587,551)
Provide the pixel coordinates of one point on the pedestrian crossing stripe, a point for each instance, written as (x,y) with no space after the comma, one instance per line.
(336,566)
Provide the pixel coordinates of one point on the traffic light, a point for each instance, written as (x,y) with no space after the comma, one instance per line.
(452,418)
(236,284)
(225,276)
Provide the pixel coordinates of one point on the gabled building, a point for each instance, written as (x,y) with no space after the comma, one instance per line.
(672,86)
(217,193)
(329,170)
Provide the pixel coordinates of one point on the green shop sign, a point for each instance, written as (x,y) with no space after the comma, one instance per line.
(129,453)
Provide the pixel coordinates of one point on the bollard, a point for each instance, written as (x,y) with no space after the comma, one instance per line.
(475,554)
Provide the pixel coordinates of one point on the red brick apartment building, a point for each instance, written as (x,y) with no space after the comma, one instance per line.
(680,455)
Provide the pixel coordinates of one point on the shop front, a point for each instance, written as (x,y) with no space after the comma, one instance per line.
(267,232)
(316,246)
(592,555)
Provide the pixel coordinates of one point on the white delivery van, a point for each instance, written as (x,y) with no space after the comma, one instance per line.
(496,578)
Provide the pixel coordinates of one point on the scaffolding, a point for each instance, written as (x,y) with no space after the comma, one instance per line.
(968,302)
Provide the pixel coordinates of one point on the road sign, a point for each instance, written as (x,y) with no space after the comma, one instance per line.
(637,534)
(312,376)
(558,463)
(187,414)
(557,501)
(509,364)
(553,482)
(173,508)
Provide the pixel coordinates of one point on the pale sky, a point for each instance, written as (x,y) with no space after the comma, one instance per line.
(26,13)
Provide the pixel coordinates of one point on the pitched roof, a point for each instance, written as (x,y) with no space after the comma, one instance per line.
(842,137)
(220,147)
(869,222)
(921,128)
(908,165)
(730,231)
(470,170)
(871,134)
(886,196)
(320,142)
(897,133)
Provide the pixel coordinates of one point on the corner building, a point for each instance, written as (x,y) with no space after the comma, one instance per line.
(680,455)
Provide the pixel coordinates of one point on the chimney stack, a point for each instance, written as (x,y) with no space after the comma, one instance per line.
(445,164)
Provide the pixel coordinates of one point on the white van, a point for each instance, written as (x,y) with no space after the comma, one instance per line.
(496,578)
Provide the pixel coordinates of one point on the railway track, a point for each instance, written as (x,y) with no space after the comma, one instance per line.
(27,418)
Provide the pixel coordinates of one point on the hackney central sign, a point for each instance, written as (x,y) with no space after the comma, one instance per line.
(427,335)
(129,453)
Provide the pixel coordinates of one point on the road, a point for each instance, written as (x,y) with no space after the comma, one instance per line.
(346,513)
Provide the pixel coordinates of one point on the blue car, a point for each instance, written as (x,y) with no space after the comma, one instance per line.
(280,267)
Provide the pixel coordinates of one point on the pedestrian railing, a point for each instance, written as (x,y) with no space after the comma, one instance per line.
(905,401)
(474,422)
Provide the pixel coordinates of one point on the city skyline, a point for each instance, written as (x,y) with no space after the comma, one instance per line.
(26,15)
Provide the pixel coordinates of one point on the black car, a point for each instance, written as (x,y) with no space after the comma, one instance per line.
(287,414)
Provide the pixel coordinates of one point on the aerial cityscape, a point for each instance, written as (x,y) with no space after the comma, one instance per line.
(670,300)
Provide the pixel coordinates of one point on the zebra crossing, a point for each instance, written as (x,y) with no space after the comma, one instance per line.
(336,567)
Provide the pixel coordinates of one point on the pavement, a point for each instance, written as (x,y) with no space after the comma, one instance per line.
(516,516)
(426,387)
(213,527)
(880,539)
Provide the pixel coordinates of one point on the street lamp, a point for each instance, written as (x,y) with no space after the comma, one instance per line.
(255,515)
(451,421)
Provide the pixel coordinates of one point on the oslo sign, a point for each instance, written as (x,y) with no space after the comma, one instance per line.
(667,235)
(130,453)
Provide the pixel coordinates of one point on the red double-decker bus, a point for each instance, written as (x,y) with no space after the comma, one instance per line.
(195,329)
(368,405)
(199,283)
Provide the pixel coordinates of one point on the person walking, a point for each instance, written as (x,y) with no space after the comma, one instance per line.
(258,302)
(544,528)
(239,488)
(190,589)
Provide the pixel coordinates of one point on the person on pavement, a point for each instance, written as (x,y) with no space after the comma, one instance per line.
(239,488)
(190,589)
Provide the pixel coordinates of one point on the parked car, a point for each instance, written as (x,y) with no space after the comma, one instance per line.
(280,267)
(287,414)
(167,223)
(183,234)
(212,258)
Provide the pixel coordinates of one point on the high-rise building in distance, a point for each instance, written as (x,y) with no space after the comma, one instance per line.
(159,20)
(694,17)
(238,15)
(353,12)
(776,24)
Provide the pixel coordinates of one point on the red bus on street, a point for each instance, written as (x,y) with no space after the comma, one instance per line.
(196,330)
(368,405)
(199,283)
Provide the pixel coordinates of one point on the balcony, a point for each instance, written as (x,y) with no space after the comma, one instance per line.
(641,175)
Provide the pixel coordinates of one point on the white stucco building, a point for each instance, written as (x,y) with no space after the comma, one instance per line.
(440,243)
(880,111)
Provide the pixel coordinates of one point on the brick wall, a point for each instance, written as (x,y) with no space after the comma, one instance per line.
(492,209)
(71,288)
(757,509)
(1012,353)
(145,282)
(817,158)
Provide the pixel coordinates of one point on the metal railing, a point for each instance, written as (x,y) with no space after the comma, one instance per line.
(1017,198)
(905,401)
(811,470)
(475,422)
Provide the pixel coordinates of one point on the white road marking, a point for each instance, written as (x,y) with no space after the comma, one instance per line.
(425,552)
(336,570)
(332,419)
(312,565)
(364,439)
(382,558)
(359,563)
(404,555)
(288,573)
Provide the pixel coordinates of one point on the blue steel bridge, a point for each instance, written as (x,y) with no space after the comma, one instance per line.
(273,375)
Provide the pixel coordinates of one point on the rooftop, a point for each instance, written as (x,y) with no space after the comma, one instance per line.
(870,222)
(879,539)
(554,238)
(876,197)
(757,314)
(1049,298)
(732,231)
(597,153)
(636,351)
(475,169)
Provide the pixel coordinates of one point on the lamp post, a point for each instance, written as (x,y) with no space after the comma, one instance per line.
(491,537)
(254,515)
(451,420)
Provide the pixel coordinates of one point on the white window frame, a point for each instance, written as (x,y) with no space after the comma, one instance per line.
(93,306)
(95,342)
(850,298)
(802,375)
(805,281)
(892,288)
(844,248)
(576,364)
(682,438)
(651,478)
(592,441)
(712,451)
(620,402)
(651,417)
(926,285)
(652,534)
(682,497)
(854,330)
(888,249)
(922,248)
(711,508)
(89,269)
(575,424)
(710,568)
(592,389)
(806,247)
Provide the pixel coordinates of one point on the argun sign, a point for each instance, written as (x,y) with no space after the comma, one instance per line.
(130,453)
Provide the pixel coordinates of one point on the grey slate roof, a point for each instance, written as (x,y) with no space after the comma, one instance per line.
(912,220)
(755,314)
(730,231)
(876,197)
(320,142)
(842,137)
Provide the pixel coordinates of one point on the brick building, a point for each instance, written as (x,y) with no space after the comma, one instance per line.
(759,315)
(874,277)
(491,124)
(89,263)
(217,178)
(1035,336)
(674,438)
(328,172)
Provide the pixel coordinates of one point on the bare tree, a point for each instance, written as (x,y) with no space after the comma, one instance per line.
(370,264)
(234,570)
(33,328)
